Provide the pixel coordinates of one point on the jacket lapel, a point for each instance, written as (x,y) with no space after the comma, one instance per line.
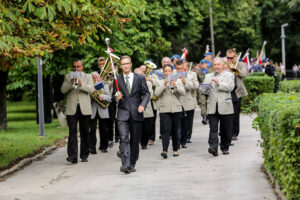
(123,84)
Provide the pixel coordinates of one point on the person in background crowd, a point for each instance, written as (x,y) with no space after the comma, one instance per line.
(174,59)
(148,114)
(219,106)
(170,110)
(102,115)
(295,71)
(283,71)
(78,109)
(241,72)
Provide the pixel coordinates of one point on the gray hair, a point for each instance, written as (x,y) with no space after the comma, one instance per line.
(95,73)
(164,58)
(219,59)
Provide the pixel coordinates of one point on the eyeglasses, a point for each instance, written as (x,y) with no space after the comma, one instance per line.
(126,64)
(76,66)
(230,58)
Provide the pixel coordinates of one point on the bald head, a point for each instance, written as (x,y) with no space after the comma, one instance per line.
(165,60)
(138,71)
(143,68)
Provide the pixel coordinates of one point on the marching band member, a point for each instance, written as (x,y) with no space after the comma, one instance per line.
(102,115)
(148,114)
(201,96)
(78,109)
(170,109)
(191,85)
(241,91)
(132,97)
(174,59)
(219,106)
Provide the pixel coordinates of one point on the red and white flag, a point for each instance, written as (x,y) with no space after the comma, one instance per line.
(246,59)
(184,54)
(262,54)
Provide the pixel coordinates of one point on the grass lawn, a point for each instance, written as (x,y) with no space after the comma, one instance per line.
(22,138)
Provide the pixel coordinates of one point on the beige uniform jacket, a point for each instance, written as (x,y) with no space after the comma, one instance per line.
(189,100)
(149,110)
(168,102)
(241,90)
(79,95)
(220,94)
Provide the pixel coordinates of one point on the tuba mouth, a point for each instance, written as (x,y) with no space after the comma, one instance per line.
(150,66)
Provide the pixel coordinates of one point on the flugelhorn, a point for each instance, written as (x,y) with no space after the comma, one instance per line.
(150,66)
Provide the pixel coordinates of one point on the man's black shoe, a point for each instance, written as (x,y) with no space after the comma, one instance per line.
(104,151)
(124,169)
(213,151)
(84,160)
(72,160)
(204,120)
(110,144)
(132,169)
(225,152)
(144,147)
(93,151)
(116,140)
(184,146)
(164,155)
(188,141)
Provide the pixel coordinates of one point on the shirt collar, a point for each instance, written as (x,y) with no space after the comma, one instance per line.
(130,75)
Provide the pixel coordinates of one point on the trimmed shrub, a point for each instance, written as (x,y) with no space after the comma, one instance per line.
(289,86)
(256,74)
(279,124)
(255,86)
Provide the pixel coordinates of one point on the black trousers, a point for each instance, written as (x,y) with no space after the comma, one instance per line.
(153,127)
(146,130)
(103,132)
(84,124)
(112,124)
(182,135)
(169,124)
(190,116)
(236,117)
(225,130)
(129,148)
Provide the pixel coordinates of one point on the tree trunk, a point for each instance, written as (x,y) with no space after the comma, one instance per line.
(3,95)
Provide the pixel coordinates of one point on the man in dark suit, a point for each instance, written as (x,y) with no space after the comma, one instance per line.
(132,99)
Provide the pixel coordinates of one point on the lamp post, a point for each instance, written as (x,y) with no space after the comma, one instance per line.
(283,43)
(211,29)
(40,96)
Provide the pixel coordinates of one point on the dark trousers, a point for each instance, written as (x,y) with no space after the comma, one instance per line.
(103,132)
(129,148)
(226,130)
(169,124)
(182,134)
(190,116)
(84,124)
(146,130)
(153,126)
(236,117)
(112,123)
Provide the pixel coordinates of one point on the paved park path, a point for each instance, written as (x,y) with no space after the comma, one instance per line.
(195,174)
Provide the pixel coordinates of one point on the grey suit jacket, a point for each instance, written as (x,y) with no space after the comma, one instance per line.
(79,95)
(220,95)
(102,112)
(149,110)
(168,102)
(241,90)
(139,96)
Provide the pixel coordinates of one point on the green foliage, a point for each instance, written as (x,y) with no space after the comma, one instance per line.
(278,117)
(255,86)
(257,74)
(289,86)
(21,139)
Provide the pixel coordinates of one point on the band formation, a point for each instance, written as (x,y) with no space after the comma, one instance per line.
(126,105)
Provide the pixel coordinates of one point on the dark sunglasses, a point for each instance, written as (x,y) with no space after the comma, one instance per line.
(230,58)
(76,66)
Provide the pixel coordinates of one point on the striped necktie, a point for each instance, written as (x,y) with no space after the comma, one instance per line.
(128,84)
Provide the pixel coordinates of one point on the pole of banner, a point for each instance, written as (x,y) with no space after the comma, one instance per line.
(40,96)
(283,43)
(107,41)
(211,29)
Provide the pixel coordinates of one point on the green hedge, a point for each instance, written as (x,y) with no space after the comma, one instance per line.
(289,86)
(256,74)
(278,117)
(255,86)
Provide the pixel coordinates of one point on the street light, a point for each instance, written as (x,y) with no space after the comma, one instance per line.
(283,43)
(211,29)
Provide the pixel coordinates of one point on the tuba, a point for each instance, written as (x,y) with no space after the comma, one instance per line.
(107,76)
(150,66)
